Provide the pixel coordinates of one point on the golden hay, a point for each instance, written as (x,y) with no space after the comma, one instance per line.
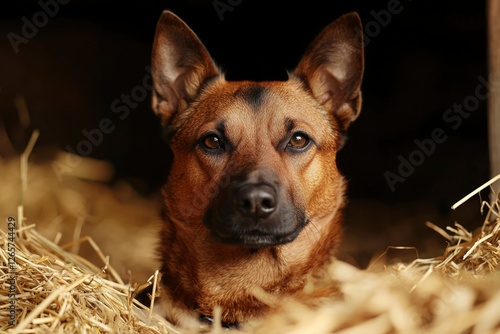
(120,221)
(59,291)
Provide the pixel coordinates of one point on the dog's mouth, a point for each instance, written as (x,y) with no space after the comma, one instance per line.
(254,211)
(257,238)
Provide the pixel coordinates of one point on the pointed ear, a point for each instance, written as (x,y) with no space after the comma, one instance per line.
(333,68)
(180,65)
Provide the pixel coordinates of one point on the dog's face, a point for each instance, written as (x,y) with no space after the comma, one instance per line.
(254,162)
(260,154)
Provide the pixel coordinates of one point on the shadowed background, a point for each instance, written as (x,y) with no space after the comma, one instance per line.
(89,63)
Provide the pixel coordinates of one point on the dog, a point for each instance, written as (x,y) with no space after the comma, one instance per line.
(254,198)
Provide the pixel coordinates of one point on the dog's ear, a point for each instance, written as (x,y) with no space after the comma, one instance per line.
(333,68)
(180,65)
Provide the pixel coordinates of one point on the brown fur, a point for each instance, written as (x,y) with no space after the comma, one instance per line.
(321,98)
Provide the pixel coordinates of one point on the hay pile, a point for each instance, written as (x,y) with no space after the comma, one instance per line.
(123,223)
(458,292)
(47,287)
(59,291)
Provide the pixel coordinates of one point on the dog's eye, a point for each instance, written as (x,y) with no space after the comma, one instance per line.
(211,142)
(299,140)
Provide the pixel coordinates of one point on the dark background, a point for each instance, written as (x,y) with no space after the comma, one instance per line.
(427,58)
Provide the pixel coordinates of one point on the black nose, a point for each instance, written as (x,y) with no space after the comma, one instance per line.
(256,200)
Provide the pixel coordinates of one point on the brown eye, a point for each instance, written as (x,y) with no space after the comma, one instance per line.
(299,140)
(212,142)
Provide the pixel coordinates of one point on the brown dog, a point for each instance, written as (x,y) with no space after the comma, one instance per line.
(254,196)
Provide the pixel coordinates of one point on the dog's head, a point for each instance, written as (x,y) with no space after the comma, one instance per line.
(254,162)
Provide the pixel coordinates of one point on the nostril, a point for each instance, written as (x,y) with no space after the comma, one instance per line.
(268,204)
(247,205)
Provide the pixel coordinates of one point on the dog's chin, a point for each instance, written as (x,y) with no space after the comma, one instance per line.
(257,239)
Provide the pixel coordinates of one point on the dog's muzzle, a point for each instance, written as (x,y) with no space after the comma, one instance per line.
(254,214)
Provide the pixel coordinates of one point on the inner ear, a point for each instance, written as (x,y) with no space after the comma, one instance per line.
(333,68)
(180,66)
